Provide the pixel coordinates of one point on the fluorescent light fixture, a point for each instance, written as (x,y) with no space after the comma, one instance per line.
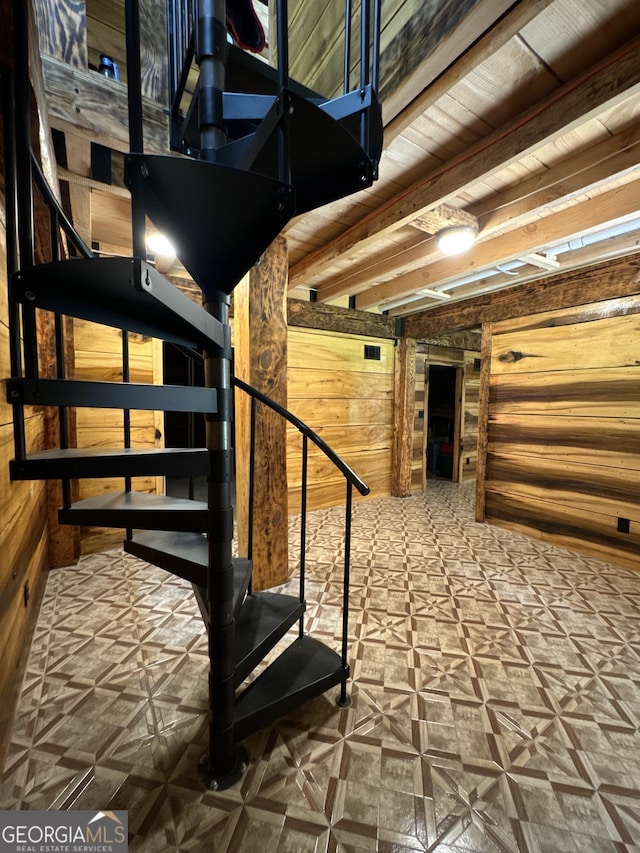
(455,239)
(158,244)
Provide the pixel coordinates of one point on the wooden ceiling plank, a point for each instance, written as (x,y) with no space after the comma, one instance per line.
(576,174)
(408,100)
(589,215)
(611,81)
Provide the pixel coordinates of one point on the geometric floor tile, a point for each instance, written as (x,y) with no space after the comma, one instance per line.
(496,699)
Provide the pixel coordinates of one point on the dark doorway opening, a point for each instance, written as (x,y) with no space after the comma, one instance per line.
(441,420)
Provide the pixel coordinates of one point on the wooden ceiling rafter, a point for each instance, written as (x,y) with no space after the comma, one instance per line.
(615,78)
(583,217)
(578,173)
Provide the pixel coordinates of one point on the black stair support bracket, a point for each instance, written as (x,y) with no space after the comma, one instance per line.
(326,158)
(111,395)
(221,218)
(126,293)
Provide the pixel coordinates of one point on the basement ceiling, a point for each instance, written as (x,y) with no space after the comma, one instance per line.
(534,131)
(521,117)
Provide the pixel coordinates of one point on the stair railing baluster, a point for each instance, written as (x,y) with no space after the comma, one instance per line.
(24,185)
(252,471)
(343,700)
(136,146)
(365,14)
(191,420)
(375,62)
(58,321)
(126,413)
(282,35)
(7,81)
(346,82)
(303,523)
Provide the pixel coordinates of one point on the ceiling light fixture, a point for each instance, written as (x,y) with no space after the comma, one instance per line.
(158,244)
(455,239)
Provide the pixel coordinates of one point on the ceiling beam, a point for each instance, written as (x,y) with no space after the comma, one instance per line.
(411,98)
(621,202)
(399,88)
(574,176)
(612,280)
(600,88)
(625,245)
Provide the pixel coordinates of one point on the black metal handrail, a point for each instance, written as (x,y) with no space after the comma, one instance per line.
(348,472)
(352,480)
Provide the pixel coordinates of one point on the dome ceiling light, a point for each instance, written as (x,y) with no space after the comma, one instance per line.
(456,239)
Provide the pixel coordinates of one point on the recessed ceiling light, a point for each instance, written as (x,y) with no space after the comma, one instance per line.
(158,244)
(455,239)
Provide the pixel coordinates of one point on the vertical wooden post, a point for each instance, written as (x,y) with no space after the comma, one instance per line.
(260,344)
(403,416)
(483,420)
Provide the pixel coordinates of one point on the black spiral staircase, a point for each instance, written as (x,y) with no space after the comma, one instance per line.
(260,149)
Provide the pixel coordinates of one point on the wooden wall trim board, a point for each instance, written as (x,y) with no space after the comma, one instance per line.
(86,103)
(332,318)
(611,280)
(403,416)
(483,421)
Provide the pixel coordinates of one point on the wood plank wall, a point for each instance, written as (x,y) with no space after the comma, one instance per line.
(98,358)
(563,437)
(467,456)
(23,532)
(346,399)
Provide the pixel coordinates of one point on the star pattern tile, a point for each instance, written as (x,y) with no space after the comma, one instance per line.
(495,699)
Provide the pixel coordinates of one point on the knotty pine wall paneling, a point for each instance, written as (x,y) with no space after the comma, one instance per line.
(563,451)
(348,401)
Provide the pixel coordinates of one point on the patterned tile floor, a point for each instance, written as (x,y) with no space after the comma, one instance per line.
(496,699)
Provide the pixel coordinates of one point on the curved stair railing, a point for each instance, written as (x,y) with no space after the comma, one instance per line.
(352,480)
(253,144)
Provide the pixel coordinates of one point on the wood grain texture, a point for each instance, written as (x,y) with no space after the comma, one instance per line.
(332,318)
(610,280)
(349,401)
(86,102)
(403,416)
(98,357)
(62,30)
(563,446)
(260,339)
